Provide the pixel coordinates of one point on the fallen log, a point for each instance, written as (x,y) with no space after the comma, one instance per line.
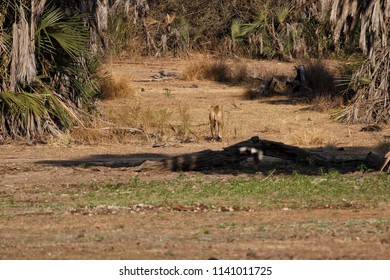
(254,147)
(280,150)
(233,155)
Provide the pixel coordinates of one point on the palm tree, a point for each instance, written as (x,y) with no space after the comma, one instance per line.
(48,75)
(371,80)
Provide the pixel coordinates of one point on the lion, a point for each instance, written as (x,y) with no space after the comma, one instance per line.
(216,118)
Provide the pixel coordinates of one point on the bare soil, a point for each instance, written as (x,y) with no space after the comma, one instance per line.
(31,173)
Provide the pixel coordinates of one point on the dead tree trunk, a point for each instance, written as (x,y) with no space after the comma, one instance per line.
(254,147)
(232,155)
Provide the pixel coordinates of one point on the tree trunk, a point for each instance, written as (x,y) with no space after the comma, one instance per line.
(23,65)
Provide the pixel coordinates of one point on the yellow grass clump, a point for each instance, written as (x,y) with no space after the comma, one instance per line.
(117,85)
(309,138)
(215,70)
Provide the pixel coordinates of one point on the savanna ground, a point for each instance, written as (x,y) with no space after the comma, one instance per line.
(80,197)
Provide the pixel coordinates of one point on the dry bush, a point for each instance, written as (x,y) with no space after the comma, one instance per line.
(116,85)
(150,119)
(312,137)
(195,71)
(319,91)
(239,73)
(218,71)
(185,122)
(320,79)
(114,124)
(324,102)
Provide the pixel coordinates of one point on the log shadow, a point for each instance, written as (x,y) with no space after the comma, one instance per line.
(106,160)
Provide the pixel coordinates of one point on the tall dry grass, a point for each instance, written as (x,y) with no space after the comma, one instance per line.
(309,138)
(117,85)
(125,122)
(216,70)
(98,136)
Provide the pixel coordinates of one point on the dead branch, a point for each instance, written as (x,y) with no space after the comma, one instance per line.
(126,129)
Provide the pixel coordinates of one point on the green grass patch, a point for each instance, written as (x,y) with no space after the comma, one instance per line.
(296,191)
(329,190)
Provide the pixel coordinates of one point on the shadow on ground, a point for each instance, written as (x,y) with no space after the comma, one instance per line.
(343,160)
(107,160)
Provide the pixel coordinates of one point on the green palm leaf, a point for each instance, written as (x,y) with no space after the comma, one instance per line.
(235,29)
(66,74)
(282,12)
(68,33)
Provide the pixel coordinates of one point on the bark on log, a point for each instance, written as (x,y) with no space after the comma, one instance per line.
(281,150)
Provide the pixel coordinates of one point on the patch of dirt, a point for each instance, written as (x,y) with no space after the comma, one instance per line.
(314,234)
(182,233)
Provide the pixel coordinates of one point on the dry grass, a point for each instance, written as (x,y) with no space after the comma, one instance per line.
(159,123)
(185,122)
(123,115)
(125,124)
(216,70)
(325,102)
(117,85)
(154,121)
(310,138)
(195,70)
(97,136)
(240,73)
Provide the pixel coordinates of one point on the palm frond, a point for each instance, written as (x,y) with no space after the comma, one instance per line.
(235,29)
(21,113)
(282,12)
(68,33)
(372,87)
(5,41)
(185,30)
(66,78)
(248,28)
